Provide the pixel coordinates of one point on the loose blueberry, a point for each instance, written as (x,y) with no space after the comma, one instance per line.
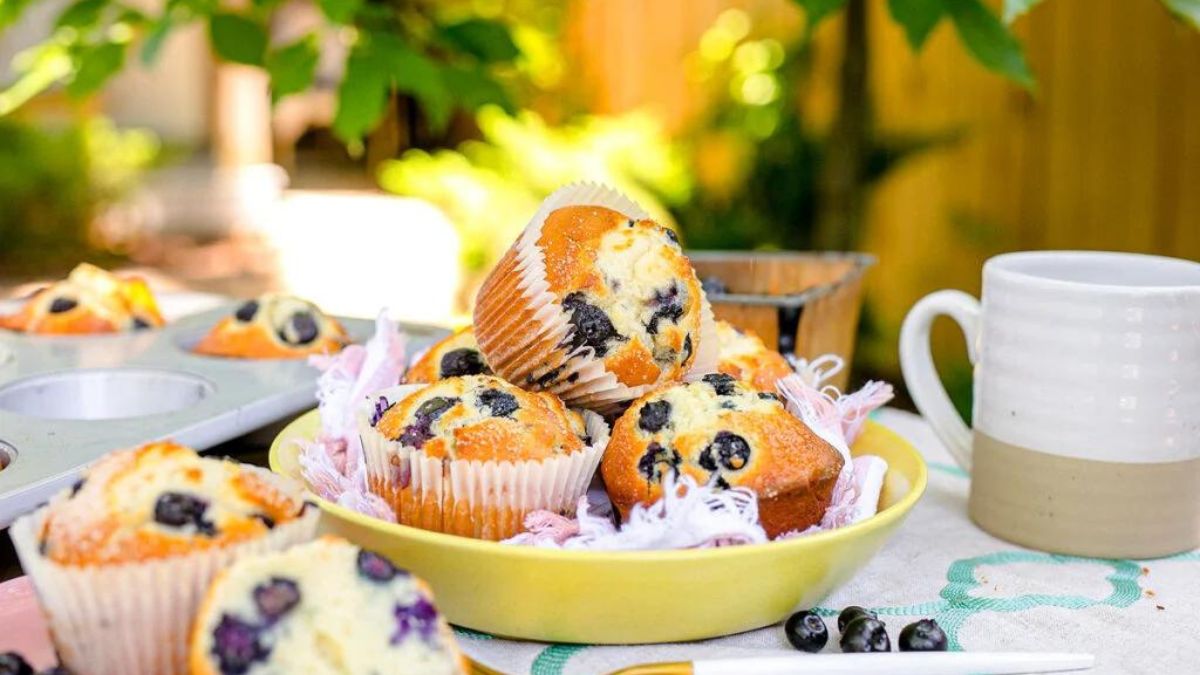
(305,328)
(806,631)
(376,567)
(851,613)
(724,385)
(728,450)
(923,636)
(420,617)
(499,403)
(176,509)
(236,645)
(654,416)
(712,284)
(12,663)
(464,361)
(863,635)
(592,327)
(651,464)
(246,312)
(60,305)
(276,598)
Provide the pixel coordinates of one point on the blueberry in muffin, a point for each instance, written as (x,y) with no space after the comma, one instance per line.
(454,356)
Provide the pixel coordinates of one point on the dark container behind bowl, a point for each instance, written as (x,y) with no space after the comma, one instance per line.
(801,303)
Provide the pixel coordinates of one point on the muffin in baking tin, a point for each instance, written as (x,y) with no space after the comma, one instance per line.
(273,326)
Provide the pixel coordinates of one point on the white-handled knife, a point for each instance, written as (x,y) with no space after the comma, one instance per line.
(892,663)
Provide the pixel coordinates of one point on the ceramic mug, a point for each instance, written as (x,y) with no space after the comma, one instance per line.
(1086,425)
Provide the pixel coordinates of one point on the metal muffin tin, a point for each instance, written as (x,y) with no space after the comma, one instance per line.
(65,401)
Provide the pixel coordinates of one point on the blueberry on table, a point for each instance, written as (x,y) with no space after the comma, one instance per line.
(806,631)
(11,663)
(923,636)
(865,635)
(851,613)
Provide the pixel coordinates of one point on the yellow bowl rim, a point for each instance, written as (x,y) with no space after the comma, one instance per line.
(480,546)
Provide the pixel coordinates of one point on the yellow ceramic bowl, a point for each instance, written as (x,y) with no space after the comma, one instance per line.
(628,597)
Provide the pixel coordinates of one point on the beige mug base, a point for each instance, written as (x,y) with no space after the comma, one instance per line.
(1084,507)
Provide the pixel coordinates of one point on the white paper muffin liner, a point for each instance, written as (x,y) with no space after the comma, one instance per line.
(485,500)
(134,618)
(520,326)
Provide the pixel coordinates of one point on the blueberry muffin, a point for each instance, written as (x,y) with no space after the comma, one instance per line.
(744,356)
(322,607)
(722,432)
(472,455)
(595,303)
(274,327)
(453,356)
(154,523)
(90,300)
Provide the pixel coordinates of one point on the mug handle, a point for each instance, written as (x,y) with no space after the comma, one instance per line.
(920,375)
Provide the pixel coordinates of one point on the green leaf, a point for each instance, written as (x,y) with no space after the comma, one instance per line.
(362,95)
(472,88)
(238,39)
(292,67)
(988,40)
(96,64)
(152,45)
(414,73)
(83,14)
(1186,10)
(340,11)
(918,17)
(817,10)
(488,41)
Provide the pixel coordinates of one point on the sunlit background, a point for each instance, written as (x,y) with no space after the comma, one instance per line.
(364,154)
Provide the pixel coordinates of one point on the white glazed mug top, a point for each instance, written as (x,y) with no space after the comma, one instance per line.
(1091,355)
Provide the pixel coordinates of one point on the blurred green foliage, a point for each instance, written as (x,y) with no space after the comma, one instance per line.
(53,181)
(489,186)
(440,54)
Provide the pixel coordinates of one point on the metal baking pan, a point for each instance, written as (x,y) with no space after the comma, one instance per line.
(65,401)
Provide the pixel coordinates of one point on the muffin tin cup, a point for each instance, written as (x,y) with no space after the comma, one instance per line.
(482,500)
(521,326)
(134,618)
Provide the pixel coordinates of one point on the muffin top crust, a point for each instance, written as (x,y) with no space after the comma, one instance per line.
(326,606)
(631,294)
(160,500)
(744,356)
(481,417)
(453,356)
(274,326)
(89,300)
(724,433)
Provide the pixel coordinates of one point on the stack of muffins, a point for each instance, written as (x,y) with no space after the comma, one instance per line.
(594,312)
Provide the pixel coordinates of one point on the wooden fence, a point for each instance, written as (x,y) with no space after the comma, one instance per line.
(1106,154)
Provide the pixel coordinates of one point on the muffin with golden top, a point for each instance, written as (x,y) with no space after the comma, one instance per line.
(744,356)
(274,326)
(472,455)
(121,560)
(595,302)
(453,356)
(723,433)
(90,300)
(323,608)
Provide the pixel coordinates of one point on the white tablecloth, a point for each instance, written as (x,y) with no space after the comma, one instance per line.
(988,595)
